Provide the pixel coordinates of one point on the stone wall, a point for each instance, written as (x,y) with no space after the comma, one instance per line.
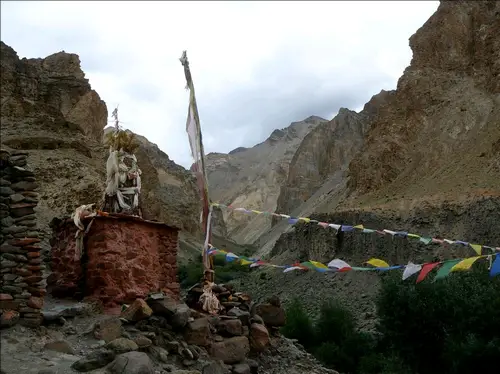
(124,258)
(22,284)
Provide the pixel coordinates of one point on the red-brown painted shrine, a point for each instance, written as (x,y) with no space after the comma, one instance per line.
(124,258)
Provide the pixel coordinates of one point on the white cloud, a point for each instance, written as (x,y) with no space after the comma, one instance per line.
(256,65)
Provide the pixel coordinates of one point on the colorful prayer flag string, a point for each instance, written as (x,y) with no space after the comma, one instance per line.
(337,265)
(478,248)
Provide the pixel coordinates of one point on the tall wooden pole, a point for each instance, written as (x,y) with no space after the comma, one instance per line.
(208,273)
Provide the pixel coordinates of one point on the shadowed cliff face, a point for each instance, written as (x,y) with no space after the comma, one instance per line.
(251,177)
(326,150)
(438,140)
(49,109)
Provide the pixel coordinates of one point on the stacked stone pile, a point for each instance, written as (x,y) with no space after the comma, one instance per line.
(22,285)
(161,335)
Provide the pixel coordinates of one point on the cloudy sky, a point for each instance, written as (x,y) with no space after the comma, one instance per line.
(257,66)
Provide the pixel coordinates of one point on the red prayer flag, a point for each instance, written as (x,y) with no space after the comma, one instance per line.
(426,270)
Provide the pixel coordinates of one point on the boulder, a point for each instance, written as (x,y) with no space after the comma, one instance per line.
(241,369)
(137,311)
(158,353)
(176,313)
(216,367)
(242,315)
(108,330)
(122,345)
(132,363)
(231,351)
(9,318)
(198,332)
(94,360)
(259,337)
(230,327)
(142,341)
(272,315)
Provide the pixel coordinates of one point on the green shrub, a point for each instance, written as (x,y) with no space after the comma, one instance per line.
(298,324)
(450,321)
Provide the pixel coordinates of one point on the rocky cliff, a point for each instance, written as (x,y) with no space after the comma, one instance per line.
(429,163)
(326,152)
(49,108)
(251,177)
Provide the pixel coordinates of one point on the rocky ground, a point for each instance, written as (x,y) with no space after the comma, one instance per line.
(155,336)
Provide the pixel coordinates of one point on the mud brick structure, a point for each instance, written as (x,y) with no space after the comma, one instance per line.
(22,286)
(123,258)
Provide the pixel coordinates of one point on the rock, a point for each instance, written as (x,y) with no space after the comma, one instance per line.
(159,354)
(186,372)
(257,319)
(9,318)
(61,346)
(132,363)
(272,315)
(137,311)
(7,264)
(22,209)
(94,360)
(16,198)
(108,330)
(5,297)
(259,337)
(254,366)
(122,345)
(7,221)
(275,301)
(181,316)
(24,186)
(177,313)
(6,191)
(241,369)
(142,341)
(198,332)
(215,368)
(232,350)
(242,315)
(230,327)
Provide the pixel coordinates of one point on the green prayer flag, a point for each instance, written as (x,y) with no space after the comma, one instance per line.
(445,269)
(425,240)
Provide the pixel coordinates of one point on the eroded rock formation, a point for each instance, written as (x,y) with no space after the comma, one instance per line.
(251,177)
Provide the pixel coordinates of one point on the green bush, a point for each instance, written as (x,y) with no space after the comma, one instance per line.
(451,326)
(298,324)
(451,321)
(332,339)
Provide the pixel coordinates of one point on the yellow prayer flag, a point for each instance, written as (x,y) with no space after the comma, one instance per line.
(245,262)
(305,219)
(378,263)
(319,265)
(257,211)
(414,236)
(465,264)
(477,247)
(361,227)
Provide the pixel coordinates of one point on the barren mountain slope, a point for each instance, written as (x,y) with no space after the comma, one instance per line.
(49,109)
(326,150)
(251,177)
